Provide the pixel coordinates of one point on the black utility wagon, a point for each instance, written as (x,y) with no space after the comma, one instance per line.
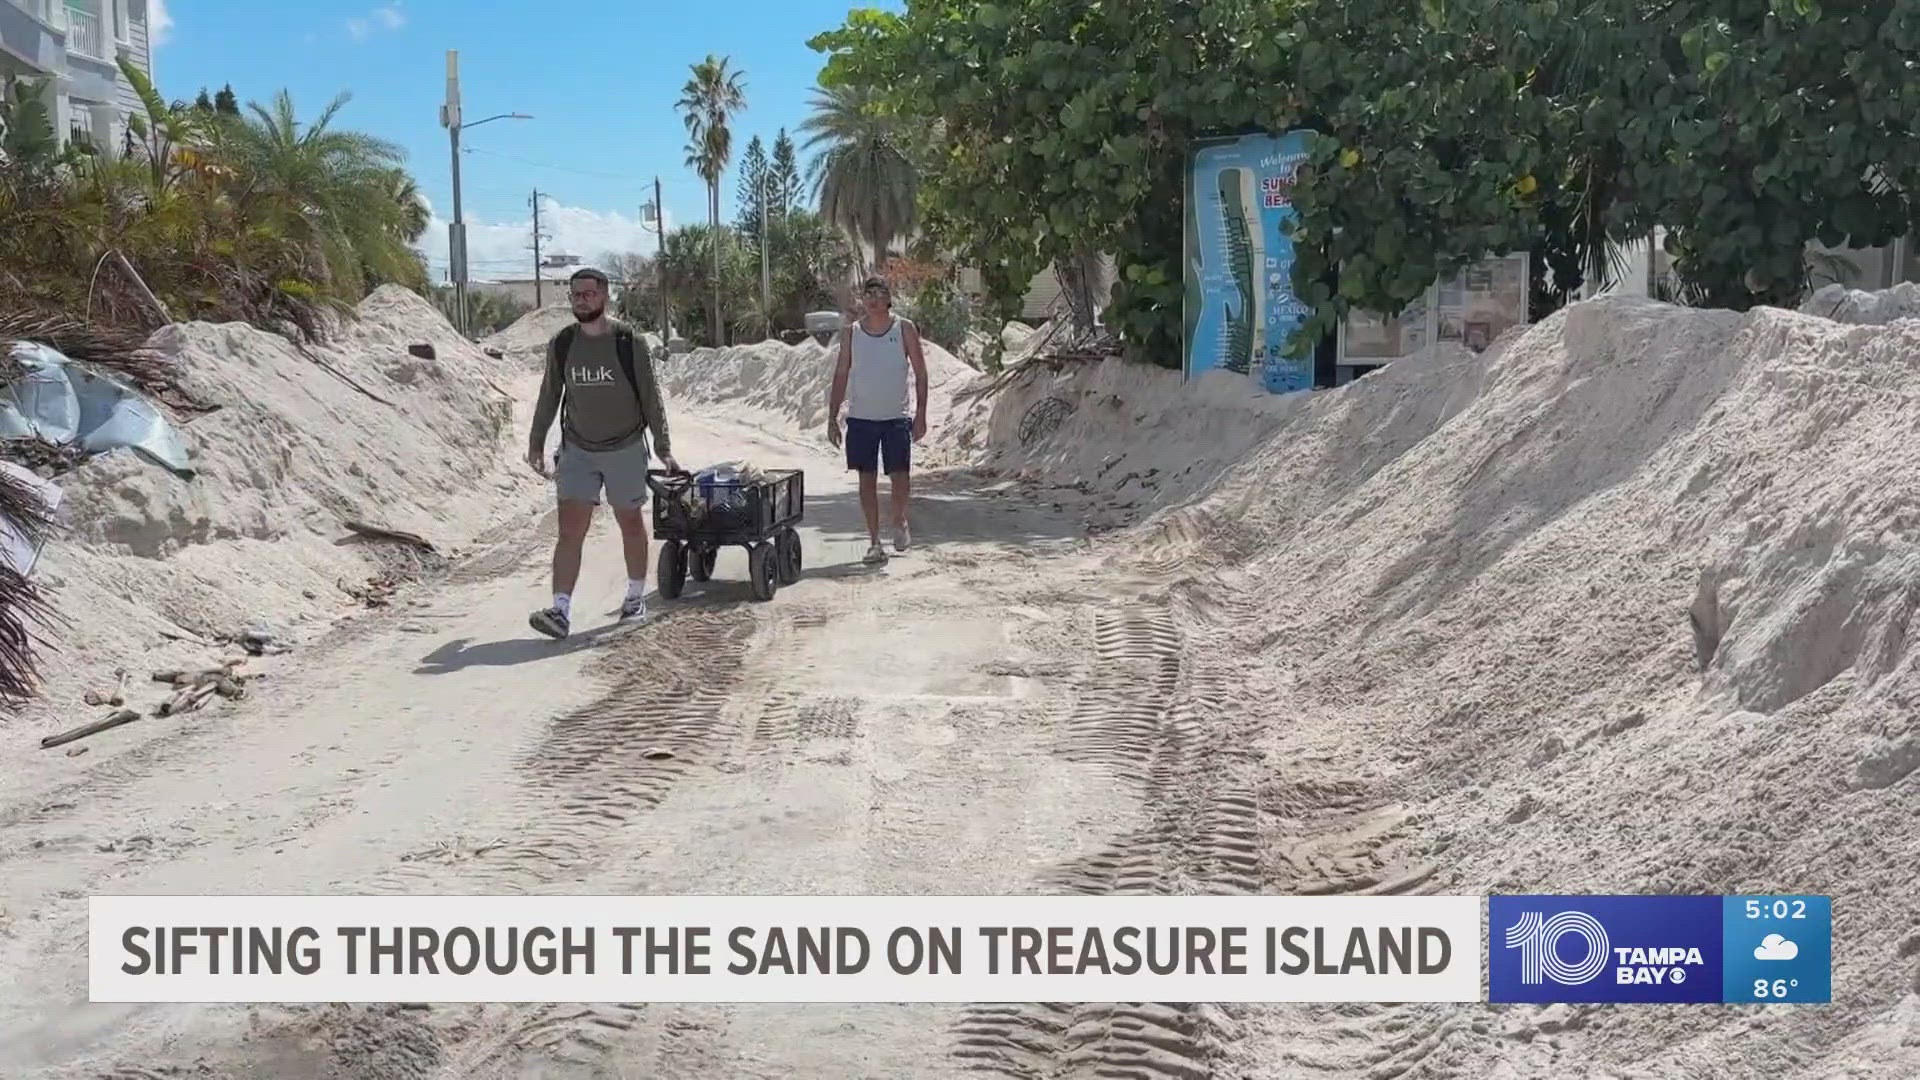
(696,518)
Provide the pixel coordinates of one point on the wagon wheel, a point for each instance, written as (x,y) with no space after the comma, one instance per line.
(762,569)
(700,562)
(673,568)
(788,552)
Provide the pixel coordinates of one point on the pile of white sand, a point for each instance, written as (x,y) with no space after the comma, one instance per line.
(529,334)
(1625,604)
(526,340)
(1846,305)
(786,387)
(292,453)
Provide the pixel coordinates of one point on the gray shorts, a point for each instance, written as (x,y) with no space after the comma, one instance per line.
(580,475)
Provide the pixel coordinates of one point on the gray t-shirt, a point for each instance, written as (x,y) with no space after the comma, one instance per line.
(600,409)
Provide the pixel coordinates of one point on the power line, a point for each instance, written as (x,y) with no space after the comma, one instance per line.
(572,169)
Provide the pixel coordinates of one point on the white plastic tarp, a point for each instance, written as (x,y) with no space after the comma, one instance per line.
(65,404)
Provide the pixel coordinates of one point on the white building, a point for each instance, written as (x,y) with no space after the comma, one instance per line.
(72,46)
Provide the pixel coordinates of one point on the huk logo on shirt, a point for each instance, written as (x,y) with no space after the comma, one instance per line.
(593,376)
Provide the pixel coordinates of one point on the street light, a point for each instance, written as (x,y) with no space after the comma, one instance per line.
(457,232)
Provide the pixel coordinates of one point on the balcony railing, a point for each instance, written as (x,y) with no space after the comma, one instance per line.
(84,33)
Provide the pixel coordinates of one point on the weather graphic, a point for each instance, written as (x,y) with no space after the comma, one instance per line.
(1778,948)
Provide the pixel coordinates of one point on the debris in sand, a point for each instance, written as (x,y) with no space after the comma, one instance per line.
(377,592)
(70,407)
(119,717)
(381,532)
(187,700)
(263,643)
(200,676)
(115,697)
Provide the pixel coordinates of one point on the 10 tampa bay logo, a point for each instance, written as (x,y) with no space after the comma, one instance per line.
(1605,948)
(1539,938)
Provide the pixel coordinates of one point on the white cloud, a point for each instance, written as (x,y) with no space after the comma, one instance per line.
(159,23)
(497,250)
(384,17)
(1775,947)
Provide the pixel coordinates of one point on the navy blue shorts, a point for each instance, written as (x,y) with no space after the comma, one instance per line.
(870,441)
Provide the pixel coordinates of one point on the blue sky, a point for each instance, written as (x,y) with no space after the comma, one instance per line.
(599,78)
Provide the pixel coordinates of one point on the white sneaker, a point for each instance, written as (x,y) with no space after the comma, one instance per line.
(902,538)
(875,555)
(633,608)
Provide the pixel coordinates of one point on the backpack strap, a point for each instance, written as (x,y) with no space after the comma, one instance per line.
(623,345)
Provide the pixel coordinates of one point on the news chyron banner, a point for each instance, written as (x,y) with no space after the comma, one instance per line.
(1728,950)
(1539,949)
(784,949)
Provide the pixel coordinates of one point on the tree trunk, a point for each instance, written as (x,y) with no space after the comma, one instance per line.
(713,217)
(1074,289)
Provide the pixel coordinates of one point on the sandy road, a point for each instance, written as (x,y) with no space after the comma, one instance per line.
(994,713)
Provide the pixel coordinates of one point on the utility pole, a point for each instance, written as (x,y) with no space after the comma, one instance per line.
(660,261)
(537,295)
(456,232)
(766,244)
(653,216)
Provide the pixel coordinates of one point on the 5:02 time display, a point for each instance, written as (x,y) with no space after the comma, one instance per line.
(1779,909)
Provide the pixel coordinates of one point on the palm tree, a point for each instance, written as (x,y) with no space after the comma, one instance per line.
(331,189)
(414,217)
(866,182)
(709,99)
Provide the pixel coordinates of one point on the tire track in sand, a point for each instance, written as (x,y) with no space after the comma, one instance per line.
(584,786)
(1147,709)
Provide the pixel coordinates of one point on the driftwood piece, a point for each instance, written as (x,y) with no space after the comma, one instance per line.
(121,716)
(200,676)
(341,375)
(186,700)
(381,532)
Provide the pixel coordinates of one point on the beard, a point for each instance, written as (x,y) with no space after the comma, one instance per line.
(590,316)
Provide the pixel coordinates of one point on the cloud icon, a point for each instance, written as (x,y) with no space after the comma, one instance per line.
(1775,947)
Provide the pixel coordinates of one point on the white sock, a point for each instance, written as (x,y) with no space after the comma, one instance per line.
(636,587)
(563,602)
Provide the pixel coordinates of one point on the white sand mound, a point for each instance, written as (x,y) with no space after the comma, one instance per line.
(526,340)
(291,454)
(529,334)
(1841,304)
(1133,437)
(1625,605)
(785,387)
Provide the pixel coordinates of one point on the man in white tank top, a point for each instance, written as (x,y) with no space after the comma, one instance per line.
(877,352)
